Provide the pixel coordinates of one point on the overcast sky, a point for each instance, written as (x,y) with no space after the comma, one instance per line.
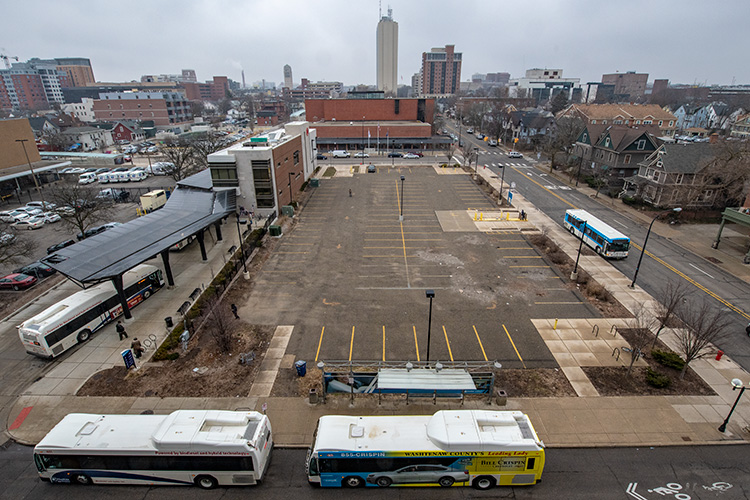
(685,41)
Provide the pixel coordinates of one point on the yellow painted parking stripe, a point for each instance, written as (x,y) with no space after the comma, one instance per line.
(351,345)
(383,342)
(320,342)
(447,342)
(416,344)
(514,346)
(480,342)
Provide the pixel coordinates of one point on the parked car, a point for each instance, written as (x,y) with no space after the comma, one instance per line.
(371,169)
(29,223)
(395,154)
(65,210)
(492,143)
(340,153)
(12,216)
(153,149)
(360,154)
(7,238)
(16,281)
(96,230)
(113,194)
(321,156)
(411,156)
(515,154)
(87,178)
(77,170)
(37,269)
(44,205)
(60,246)
(470,130)
(101,170)
(51,217)
(32,211)
(416,153)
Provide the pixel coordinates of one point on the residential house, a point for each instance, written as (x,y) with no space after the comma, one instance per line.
(612,152)
(685,115)
(89,138)
(630,115)
(675,176)
(41,125)
(83,111)
(529,126)
(741,127)
(127,131)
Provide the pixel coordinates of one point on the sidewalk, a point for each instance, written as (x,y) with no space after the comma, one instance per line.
(586,420)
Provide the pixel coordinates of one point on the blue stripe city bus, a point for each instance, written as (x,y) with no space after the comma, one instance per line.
(450,448)
(205,448)
(600,236)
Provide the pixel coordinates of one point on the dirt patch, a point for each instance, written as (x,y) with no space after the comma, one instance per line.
(536,383)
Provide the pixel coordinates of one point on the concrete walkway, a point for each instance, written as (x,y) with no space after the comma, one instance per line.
(585,420)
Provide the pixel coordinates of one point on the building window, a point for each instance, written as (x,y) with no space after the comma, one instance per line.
(296,157)
(641,145)
(661,122)
(611,156)
(626,161)
(585,137)
(678,179)
(647,122)
(670,123)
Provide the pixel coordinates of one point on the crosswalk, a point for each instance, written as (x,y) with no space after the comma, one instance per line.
(507,164)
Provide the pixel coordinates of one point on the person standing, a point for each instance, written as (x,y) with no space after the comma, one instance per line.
(234,311)
(136,347)
(121,330)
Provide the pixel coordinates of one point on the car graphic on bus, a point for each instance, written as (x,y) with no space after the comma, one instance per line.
(428,473)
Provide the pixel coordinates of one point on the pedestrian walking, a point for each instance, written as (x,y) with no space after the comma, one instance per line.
(234,311)
(747,329)
(523,215)
(136,347)
(350,193)
(121,330)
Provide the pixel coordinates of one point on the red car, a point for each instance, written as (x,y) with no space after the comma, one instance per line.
(16,281)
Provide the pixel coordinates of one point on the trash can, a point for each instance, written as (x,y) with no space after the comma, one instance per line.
(314,182)
(301,367)
(274,230)
(168,321)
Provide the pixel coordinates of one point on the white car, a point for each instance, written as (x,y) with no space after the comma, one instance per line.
(51,217)
(13,216)
(515,154)
(32,211)
(411,156)
(29,223)
(361,155)
(44,205)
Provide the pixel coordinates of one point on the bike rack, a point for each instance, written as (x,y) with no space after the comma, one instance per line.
(616,350)
(595,330)
(614,327)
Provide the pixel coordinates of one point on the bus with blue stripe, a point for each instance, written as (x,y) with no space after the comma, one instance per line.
(205,448)
(480,448)
(603,238)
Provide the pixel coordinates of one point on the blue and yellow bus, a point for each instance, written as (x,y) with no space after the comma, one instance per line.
(450,448)
(604,239)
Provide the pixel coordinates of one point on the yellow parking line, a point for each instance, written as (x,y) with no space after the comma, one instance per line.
(514,346)
(383,342)
(447,342)
(351,345)
(320,342)
(416,344)
(480,342)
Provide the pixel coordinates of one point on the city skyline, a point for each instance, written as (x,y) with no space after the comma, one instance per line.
(337,41)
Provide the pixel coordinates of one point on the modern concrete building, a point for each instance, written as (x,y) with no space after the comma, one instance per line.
(543,84)
(288,81)
(387,54)
(441,72)
(83,110)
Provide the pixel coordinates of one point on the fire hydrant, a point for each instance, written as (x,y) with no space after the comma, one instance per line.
(719,354)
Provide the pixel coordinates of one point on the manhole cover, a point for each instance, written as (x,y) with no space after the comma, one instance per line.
(713,259)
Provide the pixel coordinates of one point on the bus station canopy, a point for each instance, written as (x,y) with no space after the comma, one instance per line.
(191,208)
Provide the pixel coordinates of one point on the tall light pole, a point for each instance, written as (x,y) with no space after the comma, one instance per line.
(643,249)
(574,274)
(476,161)
(362,160)
(736,384)
(36,183)
(502,184)
(401,214)
(430,294)
(242,247)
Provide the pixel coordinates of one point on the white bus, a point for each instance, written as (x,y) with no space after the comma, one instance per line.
(207,448)
(452,447)
(72,320)
(606,240)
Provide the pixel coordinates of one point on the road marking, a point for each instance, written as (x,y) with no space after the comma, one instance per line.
(403,239)
(541,186)
(620,223)
(20,418)
(480,342)
(514,346)
(447,342)
(320,342)
(383,342)
(416,344)
(351,344)
(701,270)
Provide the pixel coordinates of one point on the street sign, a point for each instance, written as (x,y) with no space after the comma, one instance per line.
(510,196)
(513,185)
(127,356)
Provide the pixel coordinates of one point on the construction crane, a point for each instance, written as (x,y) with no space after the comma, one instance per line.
(6,60)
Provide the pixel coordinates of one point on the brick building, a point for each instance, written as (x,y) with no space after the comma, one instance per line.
(629,87)
(77,70)
(441,72)
(163,108)
(215,90)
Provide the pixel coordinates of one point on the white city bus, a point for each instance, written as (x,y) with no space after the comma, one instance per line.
(452,447)
(606,240)
(207,448)
(72,320)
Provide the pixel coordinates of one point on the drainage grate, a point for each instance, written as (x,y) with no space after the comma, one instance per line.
(686,438)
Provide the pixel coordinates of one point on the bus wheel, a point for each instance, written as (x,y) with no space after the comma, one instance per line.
(353,482)
(446,481)
(147,294)
(384,482)
(81,479)
(483,482)
(83,336)
(206,482)
(599,250)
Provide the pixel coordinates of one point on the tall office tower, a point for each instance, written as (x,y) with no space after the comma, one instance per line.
(288,82)
(387,54)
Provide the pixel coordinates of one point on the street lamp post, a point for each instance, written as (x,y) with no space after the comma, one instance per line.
(362,160)
(502,184)
(430,294)
(574,274)
(401,214)
(36,183)
(736,384)
(476,161)
(643,249)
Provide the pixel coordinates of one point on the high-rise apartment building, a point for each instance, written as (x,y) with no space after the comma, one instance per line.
(387,54)
(32,85)
(441,72)
(288,81)
(78,71)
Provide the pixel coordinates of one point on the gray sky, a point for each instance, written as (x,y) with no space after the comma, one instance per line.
(686,41)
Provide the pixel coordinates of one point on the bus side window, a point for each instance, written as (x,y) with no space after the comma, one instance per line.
(530,463)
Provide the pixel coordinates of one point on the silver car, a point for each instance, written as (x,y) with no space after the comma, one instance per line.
(428,473)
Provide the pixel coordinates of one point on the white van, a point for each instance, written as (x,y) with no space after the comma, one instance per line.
(103,177)
(340,153)
(120,177)
(87,178)
(137,175)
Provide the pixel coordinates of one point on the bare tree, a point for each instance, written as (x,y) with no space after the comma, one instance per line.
(78,205)
(706,324)
(180,155)
(14,247)
(221,324)
(57,141)
(470,154)
(639,327)
(203,146)
(668,300)
(449,152)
